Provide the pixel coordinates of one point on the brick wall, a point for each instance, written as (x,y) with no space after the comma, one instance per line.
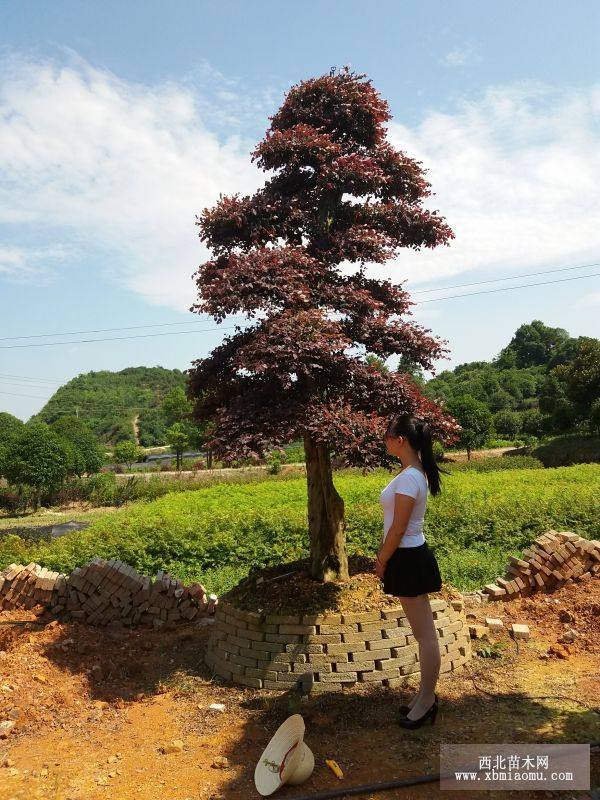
(553,559)
(273,651)
(105,593)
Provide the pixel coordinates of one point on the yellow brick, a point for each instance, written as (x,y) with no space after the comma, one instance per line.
(346,647)
(361,616)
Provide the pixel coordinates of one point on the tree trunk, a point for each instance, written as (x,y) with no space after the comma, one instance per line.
(329,560)
(468,453)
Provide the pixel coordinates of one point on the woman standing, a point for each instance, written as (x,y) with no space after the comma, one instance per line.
(405,562)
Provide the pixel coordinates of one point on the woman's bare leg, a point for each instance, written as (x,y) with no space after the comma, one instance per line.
(420,616)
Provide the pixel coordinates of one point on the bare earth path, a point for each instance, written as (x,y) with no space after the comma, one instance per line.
(93,710)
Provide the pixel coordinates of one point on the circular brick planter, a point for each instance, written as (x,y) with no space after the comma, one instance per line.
(269,651)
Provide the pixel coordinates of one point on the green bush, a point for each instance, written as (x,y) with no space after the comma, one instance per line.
(295,454)
(216,534)
(103,489)
(496,464)
(507,423)
(495,442)
(567,450)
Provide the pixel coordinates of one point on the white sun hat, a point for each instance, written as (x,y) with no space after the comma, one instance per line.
(286,759)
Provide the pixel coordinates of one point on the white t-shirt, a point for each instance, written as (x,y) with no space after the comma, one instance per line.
(412,482)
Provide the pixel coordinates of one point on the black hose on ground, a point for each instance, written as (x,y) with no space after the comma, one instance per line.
(382,787)
(369,787)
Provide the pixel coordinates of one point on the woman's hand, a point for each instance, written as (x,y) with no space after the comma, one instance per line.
(379,568)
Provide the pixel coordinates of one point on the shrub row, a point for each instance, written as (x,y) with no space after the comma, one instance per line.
(105,489)
(495,464)
(215,535)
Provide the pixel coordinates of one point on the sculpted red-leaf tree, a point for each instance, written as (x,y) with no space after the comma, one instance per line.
(338,192)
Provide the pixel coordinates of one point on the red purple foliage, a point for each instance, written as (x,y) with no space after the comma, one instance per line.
(339,192)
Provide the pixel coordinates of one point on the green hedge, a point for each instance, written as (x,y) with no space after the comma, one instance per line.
(563,451)
(216,534)
(495,464)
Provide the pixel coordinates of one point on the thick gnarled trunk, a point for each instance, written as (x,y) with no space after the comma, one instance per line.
(329,560)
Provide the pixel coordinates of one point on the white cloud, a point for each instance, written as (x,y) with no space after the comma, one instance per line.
(22,264)
(590,300)
(459,56)
(516,175)
(121,169)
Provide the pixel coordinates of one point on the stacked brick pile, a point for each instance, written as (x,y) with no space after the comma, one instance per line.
(26,587)
(269,651)
(555,558)
(105,592)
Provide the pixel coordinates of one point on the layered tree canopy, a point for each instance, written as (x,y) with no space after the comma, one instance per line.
(338,192)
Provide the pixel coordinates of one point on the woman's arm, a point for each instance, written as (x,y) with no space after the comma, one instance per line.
(403,506)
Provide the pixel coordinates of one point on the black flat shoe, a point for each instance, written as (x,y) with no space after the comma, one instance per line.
(431,714)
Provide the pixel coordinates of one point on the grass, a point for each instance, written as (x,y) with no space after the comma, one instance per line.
(216,534)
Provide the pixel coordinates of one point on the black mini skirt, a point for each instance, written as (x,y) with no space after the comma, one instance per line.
(411,571)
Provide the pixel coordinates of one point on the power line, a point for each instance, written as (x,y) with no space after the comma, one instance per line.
(421,302)
(229,327)
(508,288)
(103,330)
(28,384)
(35,396)
(27,378)
(115,338)
(509,278)
(210,330)
(78,404)
(87,405)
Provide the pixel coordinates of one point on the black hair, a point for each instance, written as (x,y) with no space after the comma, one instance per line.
(418,434)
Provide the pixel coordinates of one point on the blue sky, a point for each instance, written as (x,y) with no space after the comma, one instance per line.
(119,122)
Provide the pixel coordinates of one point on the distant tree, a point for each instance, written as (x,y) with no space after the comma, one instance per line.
(594,419)
(378,363)
(564,352)
(178,409)
(151,427)
(532,345)
(470,367)
(10,428)
(338,193)
(512,384)
(408,365)
(37,457)
(500,400)
(506,359)
(563,416)
(581,376)
(178,438)
(127,453)
(532,422)
(475,419)
(552,391)
(507,423)
(88,456)
(201,437)
(176,406)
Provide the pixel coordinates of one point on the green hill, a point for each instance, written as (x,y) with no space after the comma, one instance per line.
(111,403)
(543,382)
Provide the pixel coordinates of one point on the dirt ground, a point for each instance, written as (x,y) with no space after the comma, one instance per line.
(94,710)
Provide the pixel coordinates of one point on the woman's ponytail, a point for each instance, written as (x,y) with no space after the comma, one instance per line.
(419,437)
(430,465)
